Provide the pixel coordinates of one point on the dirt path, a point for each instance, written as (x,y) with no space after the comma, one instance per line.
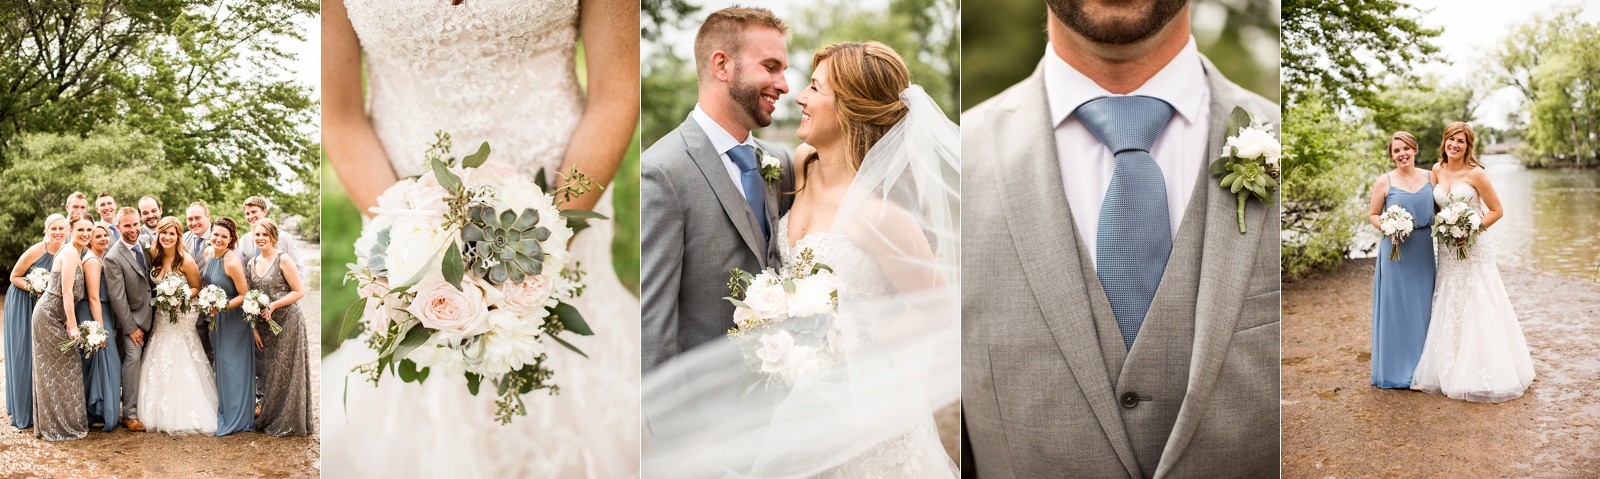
(124,454)
(1336,425)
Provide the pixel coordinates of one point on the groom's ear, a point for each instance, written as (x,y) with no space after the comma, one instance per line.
(721,66)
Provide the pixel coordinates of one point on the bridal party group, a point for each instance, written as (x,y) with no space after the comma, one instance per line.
(123,316)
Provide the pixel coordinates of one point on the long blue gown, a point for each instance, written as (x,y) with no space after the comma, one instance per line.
(19,350)
(102,373)
(235,350)
(1402,293)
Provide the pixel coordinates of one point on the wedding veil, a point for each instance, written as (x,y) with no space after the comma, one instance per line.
(903,209)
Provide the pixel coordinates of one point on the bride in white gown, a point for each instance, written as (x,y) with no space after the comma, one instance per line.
(885,220)
(1475,349)
(177,392)
(501,71)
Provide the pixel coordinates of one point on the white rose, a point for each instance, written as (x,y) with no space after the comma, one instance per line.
(811,296)
(412,242)
(775,346)
(769,161)
(741,316)
(426,194)
(767,300)
(456,314)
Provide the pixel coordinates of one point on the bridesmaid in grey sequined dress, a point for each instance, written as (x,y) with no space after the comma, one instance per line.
(58,408)
(285,366)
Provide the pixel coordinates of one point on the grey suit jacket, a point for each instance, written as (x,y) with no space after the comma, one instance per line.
(1048,388)
(130,287)
(695,228)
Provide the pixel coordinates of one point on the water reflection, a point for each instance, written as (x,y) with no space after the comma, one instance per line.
(1552,220)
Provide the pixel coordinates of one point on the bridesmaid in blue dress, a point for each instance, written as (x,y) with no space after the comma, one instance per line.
(102,372)
(234,341)
(18,318)
(1402,291)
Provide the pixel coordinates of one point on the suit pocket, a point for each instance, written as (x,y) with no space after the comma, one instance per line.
(1259,310)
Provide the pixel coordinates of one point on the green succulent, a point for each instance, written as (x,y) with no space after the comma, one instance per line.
(505,246)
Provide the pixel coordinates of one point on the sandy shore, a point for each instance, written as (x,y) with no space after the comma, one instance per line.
(1336,425)
(125,454)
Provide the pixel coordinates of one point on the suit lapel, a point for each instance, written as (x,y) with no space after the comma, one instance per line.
(774,212)
(1041,226)
(709,160)
(1225,268)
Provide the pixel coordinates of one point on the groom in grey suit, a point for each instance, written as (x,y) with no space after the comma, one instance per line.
(127,276)
(707,209)
(1067,374)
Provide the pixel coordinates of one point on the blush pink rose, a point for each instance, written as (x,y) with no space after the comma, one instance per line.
(457,313)
(527,297)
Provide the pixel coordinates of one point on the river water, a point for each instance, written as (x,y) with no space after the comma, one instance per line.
(1552,217)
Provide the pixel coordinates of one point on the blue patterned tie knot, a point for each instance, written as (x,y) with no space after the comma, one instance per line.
(755,192)
(1134,239)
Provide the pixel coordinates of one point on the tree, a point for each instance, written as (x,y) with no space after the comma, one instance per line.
(1342,47)
(1554,62)
(1423,107)
(926,33)
(206,80)
(1327,166)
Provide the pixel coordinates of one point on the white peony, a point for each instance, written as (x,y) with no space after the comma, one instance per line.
(511,342)
(437,354)
(812,296)
(413,242)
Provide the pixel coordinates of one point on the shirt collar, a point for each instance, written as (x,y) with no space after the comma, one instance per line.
(1181,83)
(720,138)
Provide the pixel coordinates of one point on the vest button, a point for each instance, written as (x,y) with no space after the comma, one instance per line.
(1130,399)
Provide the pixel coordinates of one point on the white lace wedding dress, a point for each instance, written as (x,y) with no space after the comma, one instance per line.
(1475,349)
(177,391)
(914,452)
(500,71)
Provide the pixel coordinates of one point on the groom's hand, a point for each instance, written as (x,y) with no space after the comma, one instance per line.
(137,336)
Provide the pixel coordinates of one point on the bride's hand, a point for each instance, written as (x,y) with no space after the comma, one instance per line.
(1461,242)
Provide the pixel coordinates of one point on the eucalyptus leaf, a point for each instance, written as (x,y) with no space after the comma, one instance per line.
(539,181)
(473,381)
(415,337)
(453,266)
(352,318)
(446,179)
(476,159)
(569,346)
(407,371)
(572,319)
(585,214)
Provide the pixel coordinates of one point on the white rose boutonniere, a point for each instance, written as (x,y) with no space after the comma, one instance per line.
(1249,162)
(771,166)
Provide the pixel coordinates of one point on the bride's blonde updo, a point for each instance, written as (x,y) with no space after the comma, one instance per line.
(867,78)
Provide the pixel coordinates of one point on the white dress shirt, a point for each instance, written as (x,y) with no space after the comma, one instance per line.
(724,141)
(1086,164)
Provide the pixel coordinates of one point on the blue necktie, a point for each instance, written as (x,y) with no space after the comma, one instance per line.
(1134,239)
(755,191)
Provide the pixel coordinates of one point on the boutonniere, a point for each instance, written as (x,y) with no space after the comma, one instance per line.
(1249,162)
(771,167)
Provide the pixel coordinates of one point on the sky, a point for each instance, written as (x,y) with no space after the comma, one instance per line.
(1474,27)
(307,65)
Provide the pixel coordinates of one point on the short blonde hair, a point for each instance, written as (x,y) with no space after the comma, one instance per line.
(724,30)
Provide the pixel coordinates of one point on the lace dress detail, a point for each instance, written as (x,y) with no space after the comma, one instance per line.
(500,71)
(177,389)
(1475,348)
(915,452)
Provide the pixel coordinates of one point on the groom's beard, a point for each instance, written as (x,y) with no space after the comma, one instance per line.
(1110,29)
(749,97)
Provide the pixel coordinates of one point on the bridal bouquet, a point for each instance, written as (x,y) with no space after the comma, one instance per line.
(465,270)
(1457,220)
(1396,224)
(91,336)
(172,295)
(787,323)
(37,280)
(210,299)
(255,302)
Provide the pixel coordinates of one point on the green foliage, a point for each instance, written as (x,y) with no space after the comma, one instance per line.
(1327,166)
(669,90)
(926,33)
(1554,60)
(1344,47)
(662,14)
